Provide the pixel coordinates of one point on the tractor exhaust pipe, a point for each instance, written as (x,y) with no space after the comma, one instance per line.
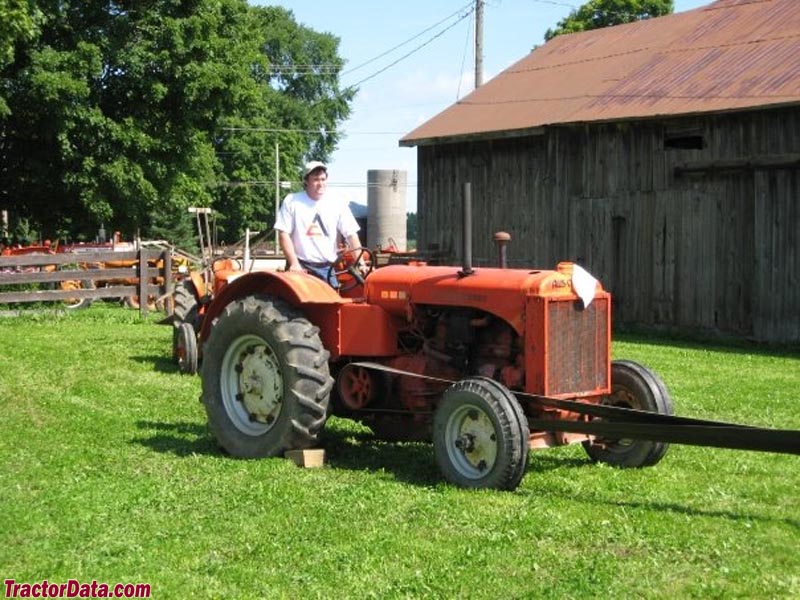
(466,234)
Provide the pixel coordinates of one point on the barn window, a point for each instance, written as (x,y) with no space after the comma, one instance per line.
(684,142)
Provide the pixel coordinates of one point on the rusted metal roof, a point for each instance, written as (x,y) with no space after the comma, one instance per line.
(729,55)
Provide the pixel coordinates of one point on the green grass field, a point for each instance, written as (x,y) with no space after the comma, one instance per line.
(107,473)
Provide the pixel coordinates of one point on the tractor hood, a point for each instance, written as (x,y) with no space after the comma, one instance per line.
(502,292)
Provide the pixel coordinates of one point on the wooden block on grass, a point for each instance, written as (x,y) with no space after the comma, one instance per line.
(307,459)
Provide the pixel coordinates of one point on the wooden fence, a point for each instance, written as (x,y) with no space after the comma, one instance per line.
(74,276)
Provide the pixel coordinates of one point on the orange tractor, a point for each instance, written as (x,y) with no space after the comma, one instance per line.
(487,363)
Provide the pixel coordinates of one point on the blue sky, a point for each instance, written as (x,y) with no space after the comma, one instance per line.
(404,95)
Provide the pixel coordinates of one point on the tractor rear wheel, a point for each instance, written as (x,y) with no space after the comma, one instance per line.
(480,435)
(633,386)
(265,379)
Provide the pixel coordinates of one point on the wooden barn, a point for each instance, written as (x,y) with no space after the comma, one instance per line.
(662,155)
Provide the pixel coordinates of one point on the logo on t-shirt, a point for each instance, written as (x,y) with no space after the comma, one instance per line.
(317,228)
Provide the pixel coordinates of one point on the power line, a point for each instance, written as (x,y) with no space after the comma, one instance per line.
(411,39)
(293,69)
(333,68)
(431,39)
(309,131)
(554,3)
(463,61)
(346,184)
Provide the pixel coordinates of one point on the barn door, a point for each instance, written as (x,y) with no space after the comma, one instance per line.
(702,255)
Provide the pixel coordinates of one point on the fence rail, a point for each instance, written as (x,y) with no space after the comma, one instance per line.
(87,275)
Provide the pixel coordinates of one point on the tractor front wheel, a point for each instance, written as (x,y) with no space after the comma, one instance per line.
(186,348)
(637,387)
(480,435)
(265,379)
(185,301)
(185,310)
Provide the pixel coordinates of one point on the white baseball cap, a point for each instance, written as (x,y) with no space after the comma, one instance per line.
(312,166)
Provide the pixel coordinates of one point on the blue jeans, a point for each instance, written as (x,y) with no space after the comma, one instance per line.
(321,272)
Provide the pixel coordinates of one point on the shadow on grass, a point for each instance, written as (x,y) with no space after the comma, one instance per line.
(180,439)
(542,461)
(162,364)
(413,463)
(546,461)
(678,509)
(357,451)
(410,462)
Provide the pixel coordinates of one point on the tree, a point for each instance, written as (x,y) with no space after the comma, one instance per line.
(17,24)
(596,14)
(411,226)
(299,108)
(126,113)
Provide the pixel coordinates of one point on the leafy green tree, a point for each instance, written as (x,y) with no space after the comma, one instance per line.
(17,24)
(596,14)
(411,226)
(300,106)
(126,113)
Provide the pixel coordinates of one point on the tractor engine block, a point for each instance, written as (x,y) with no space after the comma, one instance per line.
(450,344)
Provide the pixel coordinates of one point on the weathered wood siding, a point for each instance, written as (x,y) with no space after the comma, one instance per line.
(687,239)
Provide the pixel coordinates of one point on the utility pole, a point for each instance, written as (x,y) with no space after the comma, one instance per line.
(478,43)
(277,189)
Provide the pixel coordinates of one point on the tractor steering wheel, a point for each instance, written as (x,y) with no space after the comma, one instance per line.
(346,263)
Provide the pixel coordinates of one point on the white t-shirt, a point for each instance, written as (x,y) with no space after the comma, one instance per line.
(313,225)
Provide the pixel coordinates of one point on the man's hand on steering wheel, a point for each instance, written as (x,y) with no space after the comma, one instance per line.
(358,263)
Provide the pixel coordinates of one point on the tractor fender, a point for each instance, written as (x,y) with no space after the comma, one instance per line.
(199,284)
(294,288)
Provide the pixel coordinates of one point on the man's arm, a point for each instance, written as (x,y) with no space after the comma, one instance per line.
(287,246)
(353,241)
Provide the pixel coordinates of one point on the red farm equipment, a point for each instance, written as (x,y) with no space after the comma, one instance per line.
(486,363)
(179,264)
(47,248)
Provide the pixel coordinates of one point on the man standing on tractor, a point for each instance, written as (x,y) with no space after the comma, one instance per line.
(308,224)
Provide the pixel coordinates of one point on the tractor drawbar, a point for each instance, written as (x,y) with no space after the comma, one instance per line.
(614,422)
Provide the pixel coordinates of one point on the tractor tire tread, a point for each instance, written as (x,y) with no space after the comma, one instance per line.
(513,433)
(303,360)
(655,398)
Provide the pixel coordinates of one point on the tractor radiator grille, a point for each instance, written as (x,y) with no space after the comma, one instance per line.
(577,347)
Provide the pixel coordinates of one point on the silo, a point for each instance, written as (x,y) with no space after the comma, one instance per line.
(386,209)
